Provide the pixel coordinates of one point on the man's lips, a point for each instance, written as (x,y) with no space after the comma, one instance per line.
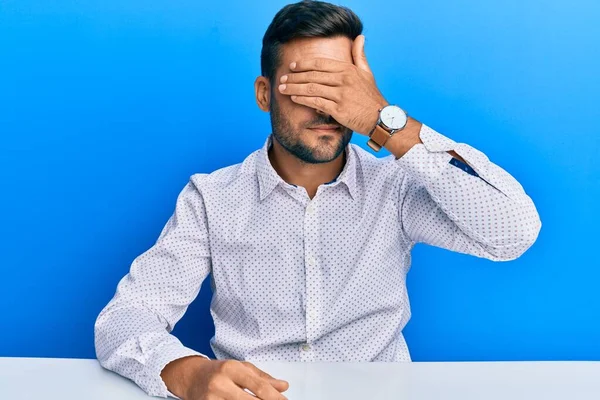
(326,128)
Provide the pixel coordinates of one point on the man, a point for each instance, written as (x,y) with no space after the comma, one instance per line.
(309,238)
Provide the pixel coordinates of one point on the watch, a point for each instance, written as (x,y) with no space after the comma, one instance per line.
(391,120)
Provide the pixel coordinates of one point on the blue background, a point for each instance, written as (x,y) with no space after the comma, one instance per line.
(107,107)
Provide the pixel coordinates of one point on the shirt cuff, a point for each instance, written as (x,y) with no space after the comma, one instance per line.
(426,161)
(152,382)
(435,141)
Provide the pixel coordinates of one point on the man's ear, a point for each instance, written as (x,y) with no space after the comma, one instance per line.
(262,90)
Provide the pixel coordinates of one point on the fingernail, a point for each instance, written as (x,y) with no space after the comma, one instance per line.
(282,87)
(283,79)
(293,65)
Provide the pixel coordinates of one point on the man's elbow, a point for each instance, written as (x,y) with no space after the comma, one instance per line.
(102,336)
(99,337)
(525,236)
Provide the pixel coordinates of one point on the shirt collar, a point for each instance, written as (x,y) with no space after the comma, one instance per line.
(268,178)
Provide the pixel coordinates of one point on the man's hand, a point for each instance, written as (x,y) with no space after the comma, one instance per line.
(346,91)
(197,378)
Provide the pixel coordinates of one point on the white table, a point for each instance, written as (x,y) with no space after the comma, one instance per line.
(70,379)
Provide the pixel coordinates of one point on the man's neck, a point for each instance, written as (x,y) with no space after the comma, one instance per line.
(297,172)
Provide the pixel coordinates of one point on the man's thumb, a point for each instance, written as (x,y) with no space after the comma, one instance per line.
(358,53)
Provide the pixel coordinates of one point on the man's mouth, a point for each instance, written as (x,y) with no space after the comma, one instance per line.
(326,128)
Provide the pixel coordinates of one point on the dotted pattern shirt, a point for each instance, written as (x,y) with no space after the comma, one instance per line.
(296,279)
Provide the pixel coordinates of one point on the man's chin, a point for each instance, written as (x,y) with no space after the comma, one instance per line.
(315,147)
(330,138)
(324,150)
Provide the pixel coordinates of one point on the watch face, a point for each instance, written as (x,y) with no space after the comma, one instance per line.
(393,117)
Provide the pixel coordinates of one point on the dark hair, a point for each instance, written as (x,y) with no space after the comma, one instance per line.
(304,19)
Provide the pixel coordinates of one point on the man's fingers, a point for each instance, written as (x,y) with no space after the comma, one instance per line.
(310,89)
(318,103)
(324,78)
(257,370)
(262,388)
(237,392)
(318,64)
(279,384)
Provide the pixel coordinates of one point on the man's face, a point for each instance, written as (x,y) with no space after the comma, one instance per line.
(295,126)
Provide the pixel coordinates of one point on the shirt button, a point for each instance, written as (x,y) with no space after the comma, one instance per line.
(310,209)
(311,314)
(305,347)
(311,261)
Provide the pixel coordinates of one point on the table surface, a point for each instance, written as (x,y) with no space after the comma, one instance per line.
(70,379)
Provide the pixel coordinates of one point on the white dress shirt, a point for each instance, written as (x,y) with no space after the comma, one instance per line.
(296,279)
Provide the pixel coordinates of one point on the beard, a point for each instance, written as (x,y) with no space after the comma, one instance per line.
(291,139)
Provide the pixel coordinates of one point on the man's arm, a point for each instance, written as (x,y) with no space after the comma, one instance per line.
(487,214)
(132,333)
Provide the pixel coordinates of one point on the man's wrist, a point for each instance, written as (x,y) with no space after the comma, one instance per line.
(178,373)
(402,141)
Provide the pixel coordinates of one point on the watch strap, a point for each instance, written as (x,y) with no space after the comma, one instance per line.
(378,137)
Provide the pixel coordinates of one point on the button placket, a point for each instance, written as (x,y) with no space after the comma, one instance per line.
(312,272)
(306,352)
